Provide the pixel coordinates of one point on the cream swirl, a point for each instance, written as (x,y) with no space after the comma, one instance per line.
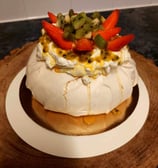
(90,64)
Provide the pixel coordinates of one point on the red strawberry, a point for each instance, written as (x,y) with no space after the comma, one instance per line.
(52,17)
(108,34)
(111,20)
(118,43)
(83,45)
(56,34)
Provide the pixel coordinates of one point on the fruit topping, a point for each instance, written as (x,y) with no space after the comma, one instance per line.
(82,32)
(84,45)
(56,34)
(118,43)
(52,17)
(111,20)
(100,42)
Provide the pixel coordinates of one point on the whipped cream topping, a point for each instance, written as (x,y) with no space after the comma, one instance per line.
(85,65)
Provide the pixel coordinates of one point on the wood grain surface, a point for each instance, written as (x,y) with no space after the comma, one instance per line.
(140,152)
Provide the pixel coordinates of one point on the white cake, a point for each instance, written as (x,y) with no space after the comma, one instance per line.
(79,83)
(62,92)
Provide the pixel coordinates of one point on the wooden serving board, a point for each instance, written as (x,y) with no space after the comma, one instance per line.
(140,152)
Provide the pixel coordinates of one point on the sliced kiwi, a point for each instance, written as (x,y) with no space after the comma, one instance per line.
(80,25)
(100,42)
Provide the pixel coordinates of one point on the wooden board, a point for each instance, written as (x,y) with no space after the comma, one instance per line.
(140,152)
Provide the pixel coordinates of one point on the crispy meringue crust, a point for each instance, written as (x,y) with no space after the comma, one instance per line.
(61,92)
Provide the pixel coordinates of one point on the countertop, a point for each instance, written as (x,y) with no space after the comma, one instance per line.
(143,22)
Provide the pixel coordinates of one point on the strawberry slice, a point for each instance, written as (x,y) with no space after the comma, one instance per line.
(111,20)
(56,34)
(52,17)
(83,45)
(108,34)
(50,27)
(118,43)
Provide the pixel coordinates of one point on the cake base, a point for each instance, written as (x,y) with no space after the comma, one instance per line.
(82,125)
